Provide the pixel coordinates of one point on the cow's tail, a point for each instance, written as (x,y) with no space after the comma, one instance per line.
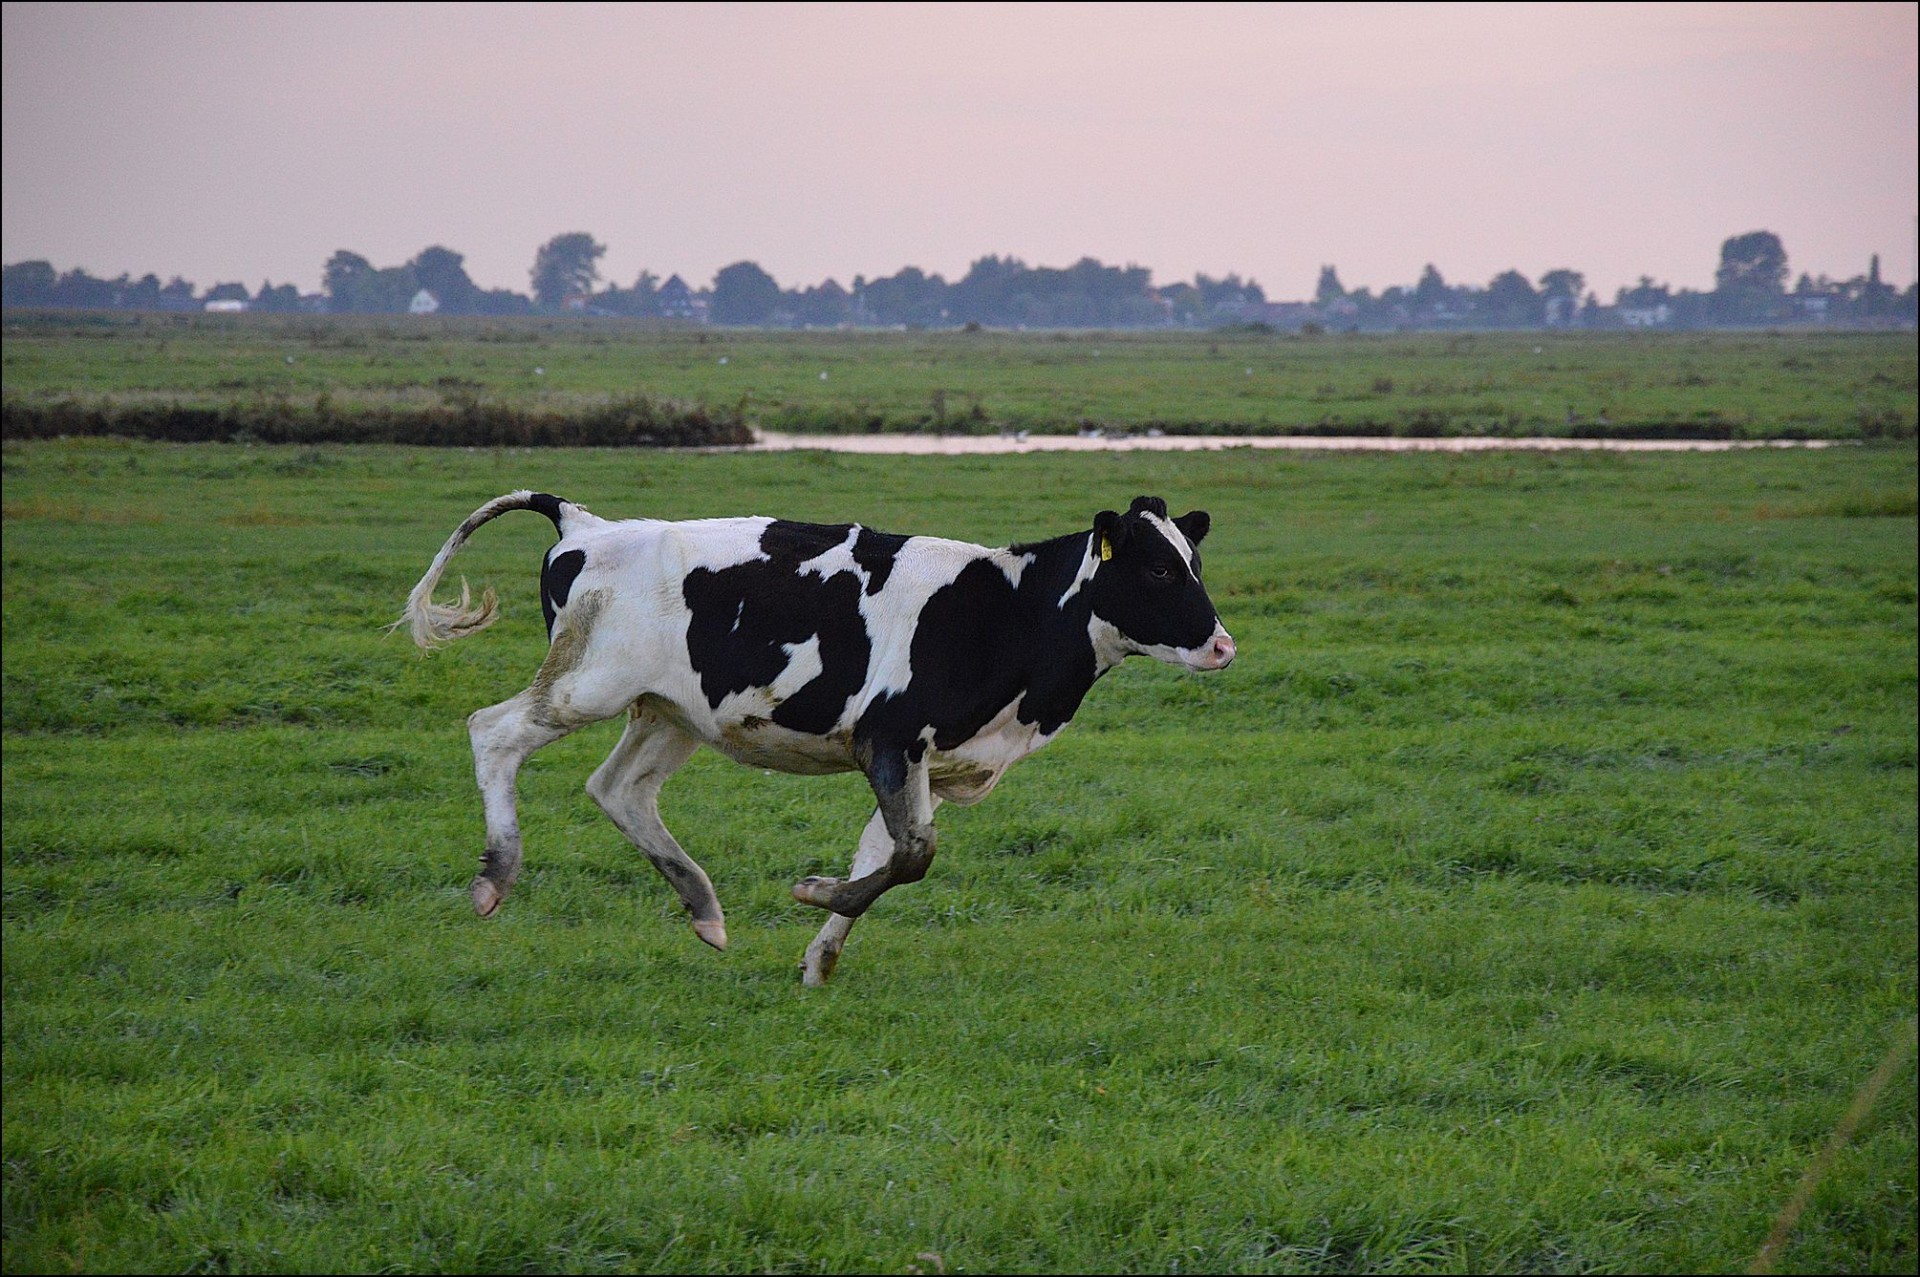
(432,624)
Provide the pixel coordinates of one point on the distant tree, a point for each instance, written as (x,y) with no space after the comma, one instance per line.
(443,272)
(908,296)
(642,301)
(984,294)
(744,294)
(1432,291)
(177,295)
(1563,283)
(226,293)
(502,301)
(142,294)
(1328,290)
(822,307)
(1560,296)
(281,300)
(646,293)
(343,277)
(1510,301)
(28,284)
(81,290)
(565,265)
(1644,293)
(1752,277)
(1232,290)
(1182,301)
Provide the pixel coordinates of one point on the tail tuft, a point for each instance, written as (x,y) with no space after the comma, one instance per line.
(432,624)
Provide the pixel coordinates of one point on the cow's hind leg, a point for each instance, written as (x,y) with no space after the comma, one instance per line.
(627,787)
(876,847)
(569,692)
(503,736)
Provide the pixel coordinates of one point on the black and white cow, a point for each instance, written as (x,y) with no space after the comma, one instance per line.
(929,665)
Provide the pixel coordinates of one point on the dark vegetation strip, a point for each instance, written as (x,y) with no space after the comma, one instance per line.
(632,422)
(647,422)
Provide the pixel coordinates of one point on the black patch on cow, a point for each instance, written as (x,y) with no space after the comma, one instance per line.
(746,616)
(557,574)
(875,553)
(548,504)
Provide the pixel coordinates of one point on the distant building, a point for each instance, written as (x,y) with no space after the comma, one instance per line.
(423,303)
(675,300)
(1646,316)
(227,307)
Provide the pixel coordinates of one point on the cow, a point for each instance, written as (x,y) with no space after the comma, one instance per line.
(929,665)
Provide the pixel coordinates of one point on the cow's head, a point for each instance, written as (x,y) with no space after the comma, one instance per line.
(1146,590)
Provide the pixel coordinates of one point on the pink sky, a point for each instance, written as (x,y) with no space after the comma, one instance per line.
(249,142)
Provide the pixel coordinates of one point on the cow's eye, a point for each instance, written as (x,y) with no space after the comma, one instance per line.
(1160,572)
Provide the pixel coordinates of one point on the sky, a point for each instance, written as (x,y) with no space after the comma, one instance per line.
(249,142)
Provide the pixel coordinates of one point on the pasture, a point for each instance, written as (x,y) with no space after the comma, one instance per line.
(299,378)
(1532,894)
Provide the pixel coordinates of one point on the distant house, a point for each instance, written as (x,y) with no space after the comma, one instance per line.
(227,306)
(1646,316)
(576,302)
(423,303)
(675,300)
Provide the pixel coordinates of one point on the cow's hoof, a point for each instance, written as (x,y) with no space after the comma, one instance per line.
(817,892)
(714,933)
(486,896)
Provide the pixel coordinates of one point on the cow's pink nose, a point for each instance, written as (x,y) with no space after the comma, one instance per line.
(1219,651)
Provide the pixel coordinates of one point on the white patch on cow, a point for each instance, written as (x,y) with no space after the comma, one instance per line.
(1110,646)
(923,566)
(830,563)
(803,666)
(713,544)
(1175,538)
(968,772)
(1013,565)
(1088,566)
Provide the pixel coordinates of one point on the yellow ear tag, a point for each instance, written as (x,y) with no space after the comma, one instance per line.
(1106,548)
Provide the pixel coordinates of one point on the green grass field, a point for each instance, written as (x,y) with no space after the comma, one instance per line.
(1845,385)
(1531,895)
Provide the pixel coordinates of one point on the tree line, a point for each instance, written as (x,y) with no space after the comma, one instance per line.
(1750,288)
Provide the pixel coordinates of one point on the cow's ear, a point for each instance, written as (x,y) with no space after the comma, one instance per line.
(1193,526)
(1109,533)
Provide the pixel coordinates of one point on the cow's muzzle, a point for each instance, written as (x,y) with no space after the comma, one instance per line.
(1215,654)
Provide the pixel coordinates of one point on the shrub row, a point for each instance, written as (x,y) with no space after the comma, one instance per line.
(635,422)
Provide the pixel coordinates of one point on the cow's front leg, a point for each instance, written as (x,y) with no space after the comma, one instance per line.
(876,847)
(901,784)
